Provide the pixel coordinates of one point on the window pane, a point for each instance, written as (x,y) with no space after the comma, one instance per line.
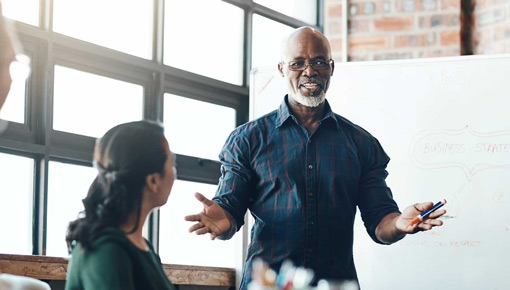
(22,10)
(67,186)
(14,107)
(267,40)
(89,104)
(121,25)
(213,49)
(197,128)
(176,244)
(16,194)
(304,10)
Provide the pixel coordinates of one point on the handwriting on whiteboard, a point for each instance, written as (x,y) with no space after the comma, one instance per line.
(426,243)
(465,149)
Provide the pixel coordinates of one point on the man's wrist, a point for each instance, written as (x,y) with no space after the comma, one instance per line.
(233,227)
(387,231)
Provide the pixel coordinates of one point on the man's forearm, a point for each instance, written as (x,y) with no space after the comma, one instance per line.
(387,231)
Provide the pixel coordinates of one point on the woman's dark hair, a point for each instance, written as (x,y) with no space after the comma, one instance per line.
(124,156)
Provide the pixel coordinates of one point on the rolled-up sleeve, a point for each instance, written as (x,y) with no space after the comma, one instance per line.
(376,200)
(236,182)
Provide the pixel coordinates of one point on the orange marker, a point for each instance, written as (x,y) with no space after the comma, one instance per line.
(426,213)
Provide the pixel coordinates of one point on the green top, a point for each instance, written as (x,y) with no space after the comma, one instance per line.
(113,262)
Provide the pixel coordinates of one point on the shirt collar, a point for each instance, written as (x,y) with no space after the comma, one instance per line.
(284,113)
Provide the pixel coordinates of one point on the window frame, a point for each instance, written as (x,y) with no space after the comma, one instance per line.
(37,139)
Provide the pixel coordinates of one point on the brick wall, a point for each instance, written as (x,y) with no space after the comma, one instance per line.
(395,29)
(333,27)
(491,33)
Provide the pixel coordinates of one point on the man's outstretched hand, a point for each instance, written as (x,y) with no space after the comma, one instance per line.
(213,219)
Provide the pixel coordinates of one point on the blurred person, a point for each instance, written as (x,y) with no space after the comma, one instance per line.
(136,172)
(12,63)
(7,56)
(14,282)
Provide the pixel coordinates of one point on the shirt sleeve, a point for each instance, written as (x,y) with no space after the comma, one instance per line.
(108,267)
(235,184)
(376,200)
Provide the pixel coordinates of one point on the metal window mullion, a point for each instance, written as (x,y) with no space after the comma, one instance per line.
(192,89)
(151,92)
(320,15)
(153,225)
(243,4)
(44,117)
(345,31)
(247,47)
(39,206)
(43,114)
(46,14)
(196,169)
(155,99)
(158,31)
(37,227)
(280,17)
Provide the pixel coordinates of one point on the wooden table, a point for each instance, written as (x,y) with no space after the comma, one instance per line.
(53,268)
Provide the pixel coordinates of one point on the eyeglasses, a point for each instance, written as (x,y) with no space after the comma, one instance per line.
(300,65)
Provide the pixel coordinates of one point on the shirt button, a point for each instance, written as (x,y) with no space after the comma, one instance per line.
(310,193)
(310,223)
(310,250)
(309,141)
(310,166)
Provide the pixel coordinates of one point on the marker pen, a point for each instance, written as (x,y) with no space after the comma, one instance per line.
(426,213)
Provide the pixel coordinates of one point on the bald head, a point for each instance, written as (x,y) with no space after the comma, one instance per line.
(305,36)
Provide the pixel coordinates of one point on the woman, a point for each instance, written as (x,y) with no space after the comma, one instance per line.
(135,174)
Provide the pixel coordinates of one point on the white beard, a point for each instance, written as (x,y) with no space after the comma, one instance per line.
(310,101)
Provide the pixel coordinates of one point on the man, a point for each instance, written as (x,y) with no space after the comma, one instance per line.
(302,170)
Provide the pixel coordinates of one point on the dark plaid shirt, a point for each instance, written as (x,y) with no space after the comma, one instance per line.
(303,189)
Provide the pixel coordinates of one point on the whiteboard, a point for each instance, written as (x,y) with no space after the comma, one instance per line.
(445,123)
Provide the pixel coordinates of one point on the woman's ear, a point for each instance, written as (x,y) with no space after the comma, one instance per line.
(152,182)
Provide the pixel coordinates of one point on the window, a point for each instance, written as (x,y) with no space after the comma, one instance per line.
(98,105)
(16,188)
(67,185)
(128,29)
(176,244)
(216,50)
(26,11)
(267,31)
(304,10)
(211,124)
(94,66)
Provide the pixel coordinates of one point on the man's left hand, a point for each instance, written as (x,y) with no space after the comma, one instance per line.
(413,211)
